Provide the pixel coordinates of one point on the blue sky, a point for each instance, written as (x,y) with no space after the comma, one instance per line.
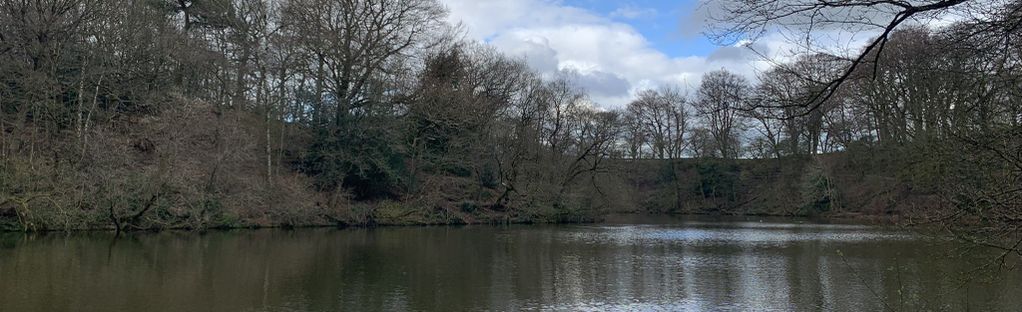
(613,49)
(663,23)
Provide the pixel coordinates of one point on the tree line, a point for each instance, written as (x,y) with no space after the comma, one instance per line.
(937,110)
(168,113)
(189,113)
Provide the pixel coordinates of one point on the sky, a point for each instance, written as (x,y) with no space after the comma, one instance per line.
(615,48)
(611,48)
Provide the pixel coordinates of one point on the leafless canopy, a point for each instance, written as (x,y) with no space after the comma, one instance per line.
(751,19)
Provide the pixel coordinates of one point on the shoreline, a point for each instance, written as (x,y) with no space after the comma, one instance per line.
(844,218)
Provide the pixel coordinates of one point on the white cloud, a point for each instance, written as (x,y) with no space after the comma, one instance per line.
(632,12)
(613,60)
(609,58)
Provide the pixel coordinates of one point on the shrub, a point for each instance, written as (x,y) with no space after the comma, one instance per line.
(817,191)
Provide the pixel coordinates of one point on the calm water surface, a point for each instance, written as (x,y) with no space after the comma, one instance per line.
(660,264)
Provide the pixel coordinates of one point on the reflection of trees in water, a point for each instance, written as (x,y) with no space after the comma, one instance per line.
(477,268)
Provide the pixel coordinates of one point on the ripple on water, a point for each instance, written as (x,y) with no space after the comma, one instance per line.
(746,234)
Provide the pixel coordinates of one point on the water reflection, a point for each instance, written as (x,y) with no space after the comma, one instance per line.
(679,265)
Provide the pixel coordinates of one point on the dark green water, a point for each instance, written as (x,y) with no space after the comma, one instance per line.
(657,264)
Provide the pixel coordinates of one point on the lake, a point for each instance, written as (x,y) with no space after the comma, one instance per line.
(630,263)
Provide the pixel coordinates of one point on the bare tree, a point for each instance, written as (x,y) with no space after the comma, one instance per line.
(720,99)
(660,118)
(353,42)
(751,19)
(633,135)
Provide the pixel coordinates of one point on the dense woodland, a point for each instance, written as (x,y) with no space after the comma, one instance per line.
(224,113)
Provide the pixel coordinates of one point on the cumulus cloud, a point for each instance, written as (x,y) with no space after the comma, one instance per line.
(632,12)
(536,51)
(729,54)
(613,60)
(835,30)
(608,57)
(599,83)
